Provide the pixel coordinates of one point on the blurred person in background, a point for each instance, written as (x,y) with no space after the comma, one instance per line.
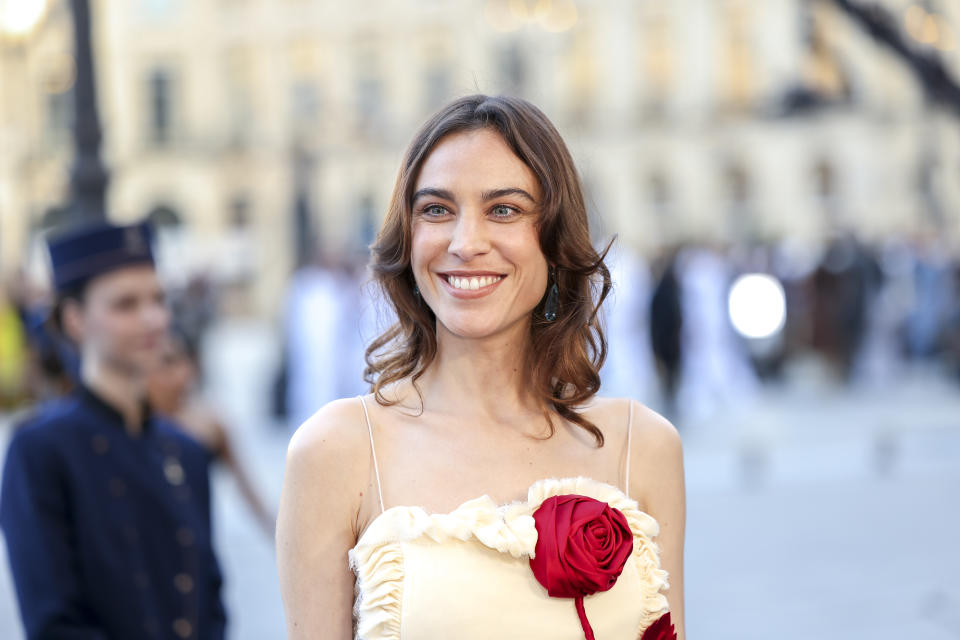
(52,364)
(629,370)
(105,505)
(952,332)
(716,372)
(666,325)
(195,309)
(844,286)
(14,354)
(315,321)
(171,391)
(931,288)
(485,387)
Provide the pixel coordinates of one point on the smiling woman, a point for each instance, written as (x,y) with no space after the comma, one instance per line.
(485,387)
(471,180)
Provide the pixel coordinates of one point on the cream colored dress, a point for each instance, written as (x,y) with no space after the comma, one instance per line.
(466,574)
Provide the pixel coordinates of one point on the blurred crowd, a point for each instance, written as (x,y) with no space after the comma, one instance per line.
(863,311)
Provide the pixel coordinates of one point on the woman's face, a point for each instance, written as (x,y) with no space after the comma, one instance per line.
(122,320)
(175,374)
(476,254)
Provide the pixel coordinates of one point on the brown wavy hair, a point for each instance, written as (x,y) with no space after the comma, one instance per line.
(564,357)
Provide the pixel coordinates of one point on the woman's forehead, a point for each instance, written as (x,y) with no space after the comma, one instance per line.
(474,162)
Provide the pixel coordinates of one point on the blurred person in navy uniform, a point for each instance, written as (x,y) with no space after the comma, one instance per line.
(105,505)
(171,391)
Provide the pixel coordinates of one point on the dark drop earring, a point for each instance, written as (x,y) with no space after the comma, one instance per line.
(416,292)
(553,302)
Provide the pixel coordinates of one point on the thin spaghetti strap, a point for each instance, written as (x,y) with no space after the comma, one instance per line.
(373,450)
(626,487)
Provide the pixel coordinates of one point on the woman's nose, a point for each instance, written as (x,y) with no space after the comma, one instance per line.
(470,236)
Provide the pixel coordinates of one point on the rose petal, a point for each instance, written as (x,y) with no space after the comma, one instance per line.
(661,629)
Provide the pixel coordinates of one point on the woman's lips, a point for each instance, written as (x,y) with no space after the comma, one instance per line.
(468,294)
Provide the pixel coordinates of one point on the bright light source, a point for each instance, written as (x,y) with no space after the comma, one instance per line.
(19,17)
(505,15)
(757,305)
(556,17)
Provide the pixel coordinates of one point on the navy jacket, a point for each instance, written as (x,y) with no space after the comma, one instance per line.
(109,534)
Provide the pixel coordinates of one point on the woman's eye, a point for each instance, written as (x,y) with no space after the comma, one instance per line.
(434,210)
(503,211)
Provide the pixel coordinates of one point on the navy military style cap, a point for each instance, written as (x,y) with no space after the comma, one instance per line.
(81,253)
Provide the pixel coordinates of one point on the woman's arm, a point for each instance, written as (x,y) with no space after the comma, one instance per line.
(657,458)
(316,526)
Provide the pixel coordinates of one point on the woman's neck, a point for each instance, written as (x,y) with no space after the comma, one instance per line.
(120,389)
(482,378)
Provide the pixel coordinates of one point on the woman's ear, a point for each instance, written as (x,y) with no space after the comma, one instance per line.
(71,319)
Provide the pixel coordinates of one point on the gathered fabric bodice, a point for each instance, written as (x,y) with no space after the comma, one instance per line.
(466,574)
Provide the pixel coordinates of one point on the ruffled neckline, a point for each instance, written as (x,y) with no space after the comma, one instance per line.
(508,528)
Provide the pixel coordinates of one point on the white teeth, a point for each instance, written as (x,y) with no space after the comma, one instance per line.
(472,283)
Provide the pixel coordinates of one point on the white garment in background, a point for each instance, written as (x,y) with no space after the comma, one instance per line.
(629,370)
(716,372)
(314,320)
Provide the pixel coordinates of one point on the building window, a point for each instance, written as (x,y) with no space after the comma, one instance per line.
(304,59)
(657,60)
(737,56)
(368,89)
(582,76)
(512,68)
(160,107)
(738,185)
(59,113)
(436,85)
(238,77)
(304,103)
(239,213)
(367,213)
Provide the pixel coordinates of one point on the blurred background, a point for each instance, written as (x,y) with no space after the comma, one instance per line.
(783,177)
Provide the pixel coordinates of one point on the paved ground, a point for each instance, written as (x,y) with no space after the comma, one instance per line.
(813,511)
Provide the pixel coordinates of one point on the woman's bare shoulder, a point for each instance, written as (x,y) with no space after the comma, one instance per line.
(656,460)
(337,426)
(653,428)
(332,447)
(614,414)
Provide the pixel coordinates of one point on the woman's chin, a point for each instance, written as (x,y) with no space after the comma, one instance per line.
(476,325)
(471,328)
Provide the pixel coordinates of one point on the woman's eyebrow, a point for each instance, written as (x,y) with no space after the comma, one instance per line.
(492,194)
(507,191)
(435,192)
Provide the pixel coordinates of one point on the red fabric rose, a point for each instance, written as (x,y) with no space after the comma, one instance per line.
(582,547)
(662,629)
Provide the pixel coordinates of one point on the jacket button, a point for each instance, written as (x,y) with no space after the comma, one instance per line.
(185,536)
(183,582)
(182,627)
(173,471)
